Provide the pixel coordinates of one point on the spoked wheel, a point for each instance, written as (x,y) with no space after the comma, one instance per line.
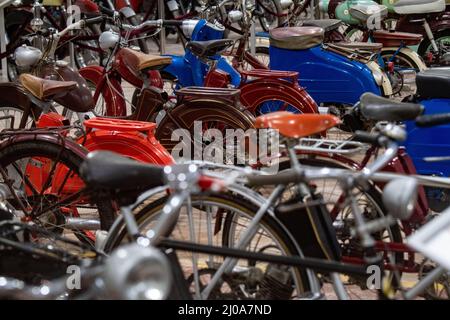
(205,124)
(201,222)
(370,204)
(45,180)
(404,72)
(272,14)
(11,117)
(443,43)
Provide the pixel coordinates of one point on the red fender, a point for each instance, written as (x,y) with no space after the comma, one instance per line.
(135,4)
(111,91)
(134,145)
(87,6)
(255,92)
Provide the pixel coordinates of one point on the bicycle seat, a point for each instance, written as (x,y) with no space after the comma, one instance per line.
(364,12)
(377,108)
(137,61)
(326,24)
(296,38)
(365,46)
(207,49)
(110,171)
(297,125)
(395,39)
(419,6)
(434,83)
(44,89)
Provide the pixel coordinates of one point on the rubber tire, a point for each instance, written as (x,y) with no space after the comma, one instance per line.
(426,42)
(371,193)
(231,200)
(280,20)
(24,149)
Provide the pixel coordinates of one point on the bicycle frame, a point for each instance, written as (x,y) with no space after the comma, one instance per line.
(24,14)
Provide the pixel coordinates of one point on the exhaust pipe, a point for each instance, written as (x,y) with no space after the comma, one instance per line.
(82,223)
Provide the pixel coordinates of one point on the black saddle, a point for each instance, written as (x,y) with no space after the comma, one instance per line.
(433,83)
(377,108)
(110,171)
(207,49)
(326,24)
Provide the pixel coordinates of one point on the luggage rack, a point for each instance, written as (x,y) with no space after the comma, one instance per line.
(331,146)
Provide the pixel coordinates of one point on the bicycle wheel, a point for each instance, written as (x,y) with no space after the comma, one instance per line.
(405,67)
(370,204)
(11,118)
(272,14)
(31,167)
(205,228)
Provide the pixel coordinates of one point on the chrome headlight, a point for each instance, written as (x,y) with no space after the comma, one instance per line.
(286,4)
(188,27)
(26,56)
(108,40)
(235,16)
(134,272)
(400,196)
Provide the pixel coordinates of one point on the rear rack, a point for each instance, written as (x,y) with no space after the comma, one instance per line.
(35,130)
(331,146)
(208,92)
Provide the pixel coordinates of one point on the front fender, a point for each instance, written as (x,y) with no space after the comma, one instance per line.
(255,92)
(111,91)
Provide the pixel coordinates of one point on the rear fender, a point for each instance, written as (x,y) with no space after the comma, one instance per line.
(410,54)
(255,92)
(184,115)
(134,145)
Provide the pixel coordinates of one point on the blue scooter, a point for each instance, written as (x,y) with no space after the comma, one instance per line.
(429,147)
(331,73)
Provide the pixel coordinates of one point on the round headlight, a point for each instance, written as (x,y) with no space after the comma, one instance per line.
(108,40)
(188,27)
(134,272)
(26,56)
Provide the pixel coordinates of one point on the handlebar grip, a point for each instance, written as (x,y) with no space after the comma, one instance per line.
(377,140)
(433,120)
(94,20)
(105,10)
(284,177)
(172,23)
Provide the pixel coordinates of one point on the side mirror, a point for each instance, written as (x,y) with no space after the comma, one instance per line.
(400,196)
